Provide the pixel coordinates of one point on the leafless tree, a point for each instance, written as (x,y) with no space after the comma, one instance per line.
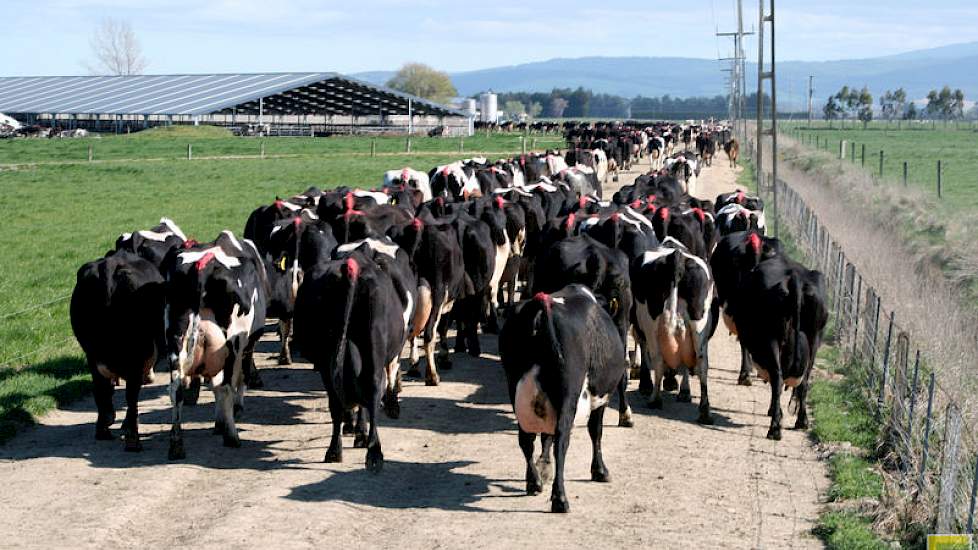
(115,50)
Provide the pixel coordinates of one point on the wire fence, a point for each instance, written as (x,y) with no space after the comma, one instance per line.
(927,440)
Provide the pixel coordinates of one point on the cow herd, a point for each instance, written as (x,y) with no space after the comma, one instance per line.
(526,247)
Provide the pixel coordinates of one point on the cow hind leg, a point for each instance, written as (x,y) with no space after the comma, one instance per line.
(130,426)
(656,401)
(703,371)
(176,451)
(800,394)
(375,456)
(103,390)
(624,410)
(224,396)
(391,406)
(361,429)
(544,463)
(285,332)
(599,472)
(336,410)
(558,496)
(745,367)
(684,395)
(534,485)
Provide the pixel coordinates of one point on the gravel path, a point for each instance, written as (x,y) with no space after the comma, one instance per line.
(453,476)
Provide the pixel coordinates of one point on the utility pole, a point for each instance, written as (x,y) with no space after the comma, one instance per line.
(773,130)
(811,105)
(738,80)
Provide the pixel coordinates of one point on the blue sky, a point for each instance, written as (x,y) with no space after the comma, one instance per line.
(51,36)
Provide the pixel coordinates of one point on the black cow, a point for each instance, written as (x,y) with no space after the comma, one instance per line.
(780,315)
(216,300)
(560,351)
(117,317)
(349,324)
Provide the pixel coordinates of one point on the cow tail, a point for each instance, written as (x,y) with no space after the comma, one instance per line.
(545,302)
(352,272)
(798,298)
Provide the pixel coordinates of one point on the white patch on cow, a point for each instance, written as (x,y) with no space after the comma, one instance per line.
(545,185)
(534,411)
(308,215)
(386,248)
(173,227)
(125,236)
(673,243)
(251,244)
(378,197)
(408,311)
(589,223)
(241,324)
(219,255)
(629,212)
(587,292)
(291,206)
(652,255)
(446,306)
(588,402)
(231,237)
(502,256)
(275,229)
(153,236)
(558,300)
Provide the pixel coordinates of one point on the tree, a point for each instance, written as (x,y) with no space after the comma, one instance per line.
(557,107)
(893,104)
(832,109)
(535,109)
(945,104)
(513,108)
(115,50)
(911,113)
(864,106)
(423,81)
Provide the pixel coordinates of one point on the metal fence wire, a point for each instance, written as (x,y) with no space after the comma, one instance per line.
(926,443)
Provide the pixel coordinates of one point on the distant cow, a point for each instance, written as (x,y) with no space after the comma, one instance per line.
(117,317)
(414,179)
(732,148)
(562,354)
(216,299)
(349,324)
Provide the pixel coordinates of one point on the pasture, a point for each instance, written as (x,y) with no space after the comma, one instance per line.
(921,145)
(76,211)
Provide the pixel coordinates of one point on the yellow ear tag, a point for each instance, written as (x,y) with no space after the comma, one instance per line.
(281,264)
(613,306)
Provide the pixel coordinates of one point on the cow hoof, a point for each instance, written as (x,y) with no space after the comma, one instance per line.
(601,476)
(559,505)
(133,445)
(375,462)
(625,421)
(670,384)
(533,487)
(393,410)
(360,441)
(103,433)
(633,372)
(232,441)
(176,451)
(774,433)
(284,360)
(801,424)
(413,372)
(347,427)
(705,418)
(432,380)
(744,380)
(656,403)
(543,467)
(333,455)
(684,398)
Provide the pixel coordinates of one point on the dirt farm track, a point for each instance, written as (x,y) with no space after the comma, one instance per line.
(453,476)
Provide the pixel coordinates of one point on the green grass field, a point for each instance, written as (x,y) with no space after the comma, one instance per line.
(920,145)
(54,217)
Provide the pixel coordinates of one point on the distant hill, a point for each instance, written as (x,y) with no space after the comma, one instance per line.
(917,71)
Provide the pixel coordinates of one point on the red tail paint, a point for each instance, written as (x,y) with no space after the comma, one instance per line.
(279,203)
(417,224)
(664,212)
(636,204)
(569,224)
(203,261)
(699,214)
(499,202)
(348,200)
(740,197)
(352,269)
(297,221)
(615,216)
(754,241)
(189,243)
(582,202)
(545,299)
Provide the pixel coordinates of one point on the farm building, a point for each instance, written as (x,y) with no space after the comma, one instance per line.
(275,103)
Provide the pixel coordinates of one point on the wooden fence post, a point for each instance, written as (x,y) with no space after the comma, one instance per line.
(881,164)
(904,173)
(852,152)
(881,398)
(91,152)
(864,155)
(407,145)
(949,469)
(190,152)
(930,410)
(940,189)
(842,149)
(261,149)
(373,147)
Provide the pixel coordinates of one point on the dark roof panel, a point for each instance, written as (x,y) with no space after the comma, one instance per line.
(281,93)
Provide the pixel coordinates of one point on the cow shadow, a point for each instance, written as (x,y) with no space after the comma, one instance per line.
(676,411)
(402,485)
(445,415)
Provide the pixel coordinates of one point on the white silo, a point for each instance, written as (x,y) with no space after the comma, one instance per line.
(469,107)
(489,107)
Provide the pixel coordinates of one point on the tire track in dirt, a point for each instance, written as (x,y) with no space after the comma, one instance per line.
(453,476)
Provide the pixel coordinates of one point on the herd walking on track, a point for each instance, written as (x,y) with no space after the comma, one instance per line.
(527,247)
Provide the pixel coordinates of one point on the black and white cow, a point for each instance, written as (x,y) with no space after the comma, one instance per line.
(153,244)
(117,317)
(676,316)
(562,354)
(408,177)
(349,324)
(780,315)
(734,217)
(215,314)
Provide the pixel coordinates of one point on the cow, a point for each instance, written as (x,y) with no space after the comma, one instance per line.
(676,317)
(215,314)
(408,177)
(685,170)
(259,225)
(455,181)
(117,316)
(605,271)
(732,149)
(706,146)
(349,324)
(153,244)
(562,354)
(734,218)
(780,314)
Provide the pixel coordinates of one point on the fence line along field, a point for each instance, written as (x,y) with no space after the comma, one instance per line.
(453,449)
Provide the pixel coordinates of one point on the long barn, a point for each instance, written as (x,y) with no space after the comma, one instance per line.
(275,103)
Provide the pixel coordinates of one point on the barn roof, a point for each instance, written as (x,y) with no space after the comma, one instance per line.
(198,94)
